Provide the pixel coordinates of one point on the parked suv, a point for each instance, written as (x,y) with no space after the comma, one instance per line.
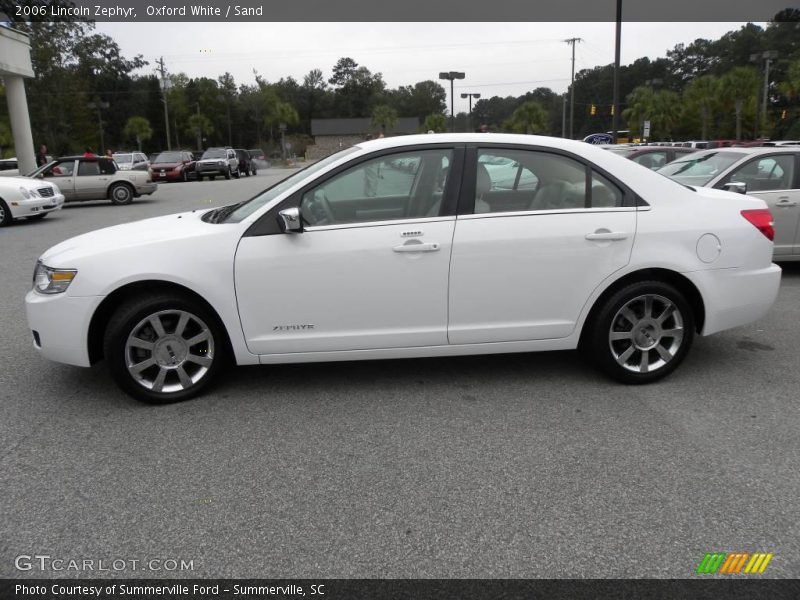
(246,165)
(218,161)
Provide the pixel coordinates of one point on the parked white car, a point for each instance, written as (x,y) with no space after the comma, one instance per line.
(356,257)
(771,174)
(24,198)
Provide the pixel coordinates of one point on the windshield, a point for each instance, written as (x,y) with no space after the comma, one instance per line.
(168,157)
(123,158)
(699,169)
(215,154)
(248,207)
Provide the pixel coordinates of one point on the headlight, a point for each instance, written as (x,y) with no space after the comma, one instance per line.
(25,193)
(52,281)
(220,163)
(34,193)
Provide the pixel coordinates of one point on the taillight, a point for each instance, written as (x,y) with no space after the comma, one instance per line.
(761,219)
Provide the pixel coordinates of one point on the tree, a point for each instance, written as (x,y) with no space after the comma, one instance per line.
(702,96)
(383,116)
(138,128)
(529,117)
(343,72)
(199,126)
(435,122)
(740,91)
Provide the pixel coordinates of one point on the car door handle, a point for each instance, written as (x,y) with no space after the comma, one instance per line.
(783,201)
(611,236)
(424,247)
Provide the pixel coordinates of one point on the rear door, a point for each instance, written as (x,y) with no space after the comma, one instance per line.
(526,259)
(92,180)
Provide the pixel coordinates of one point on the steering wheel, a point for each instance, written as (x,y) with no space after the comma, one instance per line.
(319,210)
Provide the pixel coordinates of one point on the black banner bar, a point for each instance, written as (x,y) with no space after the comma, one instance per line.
(397,589)
(394,11)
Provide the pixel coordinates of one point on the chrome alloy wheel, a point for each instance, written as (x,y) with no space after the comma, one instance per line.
(646,333)
(169,351)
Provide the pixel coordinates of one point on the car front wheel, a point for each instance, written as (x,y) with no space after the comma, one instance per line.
(5,214)
(163,348)
(641,333)
(228,173)
(121,193)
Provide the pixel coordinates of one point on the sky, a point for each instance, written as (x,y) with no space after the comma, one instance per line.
(498,58)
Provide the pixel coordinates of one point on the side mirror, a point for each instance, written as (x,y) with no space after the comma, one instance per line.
(290,221)
(738,187)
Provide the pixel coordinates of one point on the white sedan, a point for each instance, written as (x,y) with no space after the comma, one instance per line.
(406,247)
(24,198)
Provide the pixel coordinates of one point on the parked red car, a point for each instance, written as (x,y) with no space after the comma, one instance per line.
(173,165)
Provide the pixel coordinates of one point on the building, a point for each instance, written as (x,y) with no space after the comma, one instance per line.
(332,135)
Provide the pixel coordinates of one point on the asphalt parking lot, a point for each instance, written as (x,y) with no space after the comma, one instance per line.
(529,465)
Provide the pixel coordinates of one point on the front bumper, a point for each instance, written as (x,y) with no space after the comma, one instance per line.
(61,324)
(735,297)
(211,169)
(36,206)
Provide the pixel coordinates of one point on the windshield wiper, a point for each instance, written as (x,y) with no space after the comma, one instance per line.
(222,213)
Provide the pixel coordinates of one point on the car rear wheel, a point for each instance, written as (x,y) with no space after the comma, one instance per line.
(163,348)
(237,173)
(641,333)
(185,176)
(5,214)
(121,193)
(254,171)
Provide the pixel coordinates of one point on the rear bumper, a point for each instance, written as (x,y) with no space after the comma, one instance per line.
(735,297)
(146,189)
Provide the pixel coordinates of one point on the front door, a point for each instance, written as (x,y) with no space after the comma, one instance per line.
(546,231)
(369,270)
(773,178)
(62,174)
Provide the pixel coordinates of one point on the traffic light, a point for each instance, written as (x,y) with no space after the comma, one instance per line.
(783,114)
(593,110)
(612,110)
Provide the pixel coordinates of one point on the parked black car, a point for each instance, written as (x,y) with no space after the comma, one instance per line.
(246,165)
(259,158)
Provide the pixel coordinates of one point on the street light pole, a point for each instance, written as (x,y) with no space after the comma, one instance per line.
(469,117)
(165,85)
(452,76)
(99,106)
(572,41)
(767,57)
(615,101)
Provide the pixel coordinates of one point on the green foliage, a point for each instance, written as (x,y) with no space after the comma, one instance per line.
(529,117)
(138,129)
(435,122)
(383,117)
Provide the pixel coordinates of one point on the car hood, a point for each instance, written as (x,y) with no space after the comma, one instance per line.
(26,182)
(119,238)
(212,160)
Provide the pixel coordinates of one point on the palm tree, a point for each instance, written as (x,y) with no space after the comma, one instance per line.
(740,89)
(640,104)
(139,129)
(383,116)
(702,95)
(435,122)
(529,117)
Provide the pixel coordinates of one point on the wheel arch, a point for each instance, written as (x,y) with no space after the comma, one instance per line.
(683,284)
(103,313)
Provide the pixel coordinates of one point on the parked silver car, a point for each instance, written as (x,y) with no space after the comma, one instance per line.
(96,178)
(772,174)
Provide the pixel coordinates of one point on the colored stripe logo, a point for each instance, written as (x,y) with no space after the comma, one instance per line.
(733,563)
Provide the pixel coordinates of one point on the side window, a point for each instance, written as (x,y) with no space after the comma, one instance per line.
(652,160)
(407,185)
(61,169)
(766,173)
(604,193)
(523,180)
(88,168)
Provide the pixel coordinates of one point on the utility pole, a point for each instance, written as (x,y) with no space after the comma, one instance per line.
(164,87)
(572,41)
(767,57)
(615,105)
(199,130)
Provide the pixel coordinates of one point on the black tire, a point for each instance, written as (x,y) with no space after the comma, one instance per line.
(254,171)
(228,173)
(5,214)
(237,173)
(135,316)
(38,217)
(647,344)
(120,194)
(199,178)
(211,177)
(184,176)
